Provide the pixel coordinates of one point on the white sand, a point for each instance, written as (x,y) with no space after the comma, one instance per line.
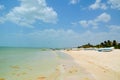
(101,65)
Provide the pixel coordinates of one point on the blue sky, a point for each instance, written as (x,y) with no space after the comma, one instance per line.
(58,23)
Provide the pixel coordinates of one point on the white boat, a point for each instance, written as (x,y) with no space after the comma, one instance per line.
(106,49)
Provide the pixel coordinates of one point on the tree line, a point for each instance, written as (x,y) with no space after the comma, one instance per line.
(104,44)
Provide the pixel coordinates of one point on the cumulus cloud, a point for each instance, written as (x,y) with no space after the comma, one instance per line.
(98,5)
(74,1)
(31,11)
(1,7)
(115,4)
(104,17)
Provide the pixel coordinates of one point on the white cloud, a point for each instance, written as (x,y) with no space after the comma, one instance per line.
(30,11)
(2,20)
(43,38)
(114,28)
(104,17)
(2,7)
(115,4)
(93,37)
(74,1)
(98,5)
(74,24)
(84,23)
(57,38)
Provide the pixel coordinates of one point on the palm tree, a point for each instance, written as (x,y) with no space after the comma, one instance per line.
(102,44)
(105,43)
(109,43)
(114,43)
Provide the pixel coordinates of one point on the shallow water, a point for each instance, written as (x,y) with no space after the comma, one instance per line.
(35,64)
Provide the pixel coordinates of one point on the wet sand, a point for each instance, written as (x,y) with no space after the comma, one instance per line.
(101,65)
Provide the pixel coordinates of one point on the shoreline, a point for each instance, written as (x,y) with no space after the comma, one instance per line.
(60,65)
(101,65)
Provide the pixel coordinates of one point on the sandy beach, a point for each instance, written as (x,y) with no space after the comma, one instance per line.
(100,65)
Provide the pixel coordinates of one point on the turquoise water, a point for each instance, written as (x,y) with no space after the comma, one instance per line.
(37,64)
(16,62)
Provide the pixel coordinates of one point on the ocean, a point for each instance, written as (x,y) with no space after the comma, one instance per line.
(36,64)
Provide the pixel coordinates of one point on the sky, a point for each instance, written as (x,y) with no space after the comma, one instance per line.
(58,23)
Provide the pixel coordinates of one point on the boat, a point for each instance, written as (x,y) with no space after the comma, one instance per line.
(109,49)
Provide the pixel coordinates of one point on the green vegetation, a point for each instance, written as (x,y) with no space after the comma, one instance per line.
(104,44)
